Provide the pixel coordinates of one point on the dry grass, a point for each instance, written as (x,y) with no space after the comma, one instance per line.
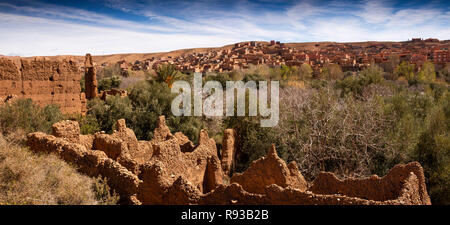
(296,84)
(27,178)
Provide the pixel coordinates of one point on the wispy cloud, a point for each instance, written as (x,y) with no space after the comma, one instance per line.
(38,36)
(375,11)
(39,28)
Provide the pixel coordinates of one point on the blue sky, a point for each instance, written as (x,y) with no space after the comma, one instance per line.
(54,27)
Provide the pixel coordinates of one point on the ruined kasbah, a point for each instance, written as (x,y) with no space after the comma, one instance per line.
(350,56)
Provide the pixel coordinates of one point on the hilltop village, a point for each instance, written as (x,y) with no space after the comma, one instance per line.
(350,56)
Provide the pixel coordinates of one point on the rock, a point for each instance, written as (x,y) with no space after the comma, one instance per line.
(67,129)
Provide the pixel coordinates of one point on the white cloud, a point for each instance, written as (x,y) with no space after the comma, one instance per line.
(375,11)
(301,12)
(37,36)
(412,17)
(67,13)
(51,29)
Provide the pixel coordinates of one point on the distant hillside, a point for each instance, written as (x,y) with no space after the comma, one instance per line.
(131,57)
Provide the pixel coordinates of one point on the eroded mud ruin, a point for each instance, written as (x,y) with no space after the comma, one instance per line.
(169,169)
(44,81)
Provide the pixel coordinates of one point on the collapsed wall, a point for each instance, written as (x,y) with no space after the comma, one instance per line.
(169,169)
(44,81)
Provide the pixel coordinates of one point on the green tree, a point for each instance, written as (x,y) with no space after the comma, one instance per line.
(405,69)
(152,99)
(109,82)
(372,74)
(287,72)
(168,73)
(306,72)
(88,124)
(433,151)
(427,73)
(391,64)
(357,84)
(221,77)
(445,73)
(146,101)
(249,143)
(332,71)
(109,111)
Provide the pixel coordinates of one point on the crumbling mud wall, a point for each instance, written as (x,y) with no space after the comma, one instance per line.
(169,169)
(228,153)
(375,188)
(103,94)
(90,77)
(44,81)
(270,170)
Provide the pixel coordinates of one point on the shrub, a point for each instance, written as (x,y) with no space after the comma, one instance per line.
(109,71)
(109,82)
(427,73)
(391,65)
(151,100)
(27,178)
(250,135)
(433,150)
(24,115)
(103,193)
(444,73)
(357,84)
(332,72)
(221,77)
(405,69)
(373,74)
(88,124)
(108,112)
(288,72)
(306,72)
(146,101)
(253,77)
(323,132)
(262,69)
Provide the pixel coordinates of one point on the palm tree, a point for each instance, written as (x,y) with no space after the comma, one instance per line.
(168,73)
